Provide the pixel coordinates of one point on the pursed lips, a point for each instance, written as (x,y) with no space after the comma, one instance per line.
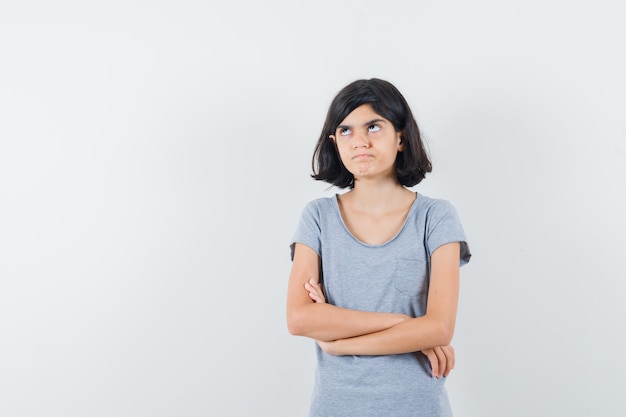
(362,156)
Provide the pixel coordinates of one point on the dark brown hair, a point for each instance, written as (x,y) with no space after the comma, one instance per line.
(411,165)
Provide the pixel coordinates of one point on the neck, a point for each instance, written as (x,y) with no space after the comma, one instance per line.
(377,196)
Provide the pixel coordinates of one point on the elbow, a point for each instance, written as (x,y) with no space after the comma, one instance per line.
(446,338)
(295,323)
(301,322)
(293,327)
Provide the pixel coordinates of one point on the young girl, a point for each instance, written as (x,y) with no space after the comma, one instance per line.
(375,273)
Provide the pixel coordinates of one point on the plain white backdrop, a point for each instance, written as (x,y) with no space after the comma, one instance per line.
(155,157)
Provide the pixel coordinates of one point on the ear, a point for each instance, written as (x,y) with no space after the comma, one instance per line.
(331,137)
(400,143)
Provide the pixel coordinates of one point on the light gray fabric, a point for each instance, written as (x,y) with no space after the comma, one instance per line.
(390,277)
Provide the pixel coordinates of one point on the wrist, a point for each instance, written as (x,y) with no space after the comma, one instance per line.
(401,318)
(336,346)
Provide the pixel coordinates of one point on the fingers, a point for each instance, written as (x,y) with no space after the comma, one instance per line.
(450,359)
(434,361)
(442,360)
(312,292)
(315,291)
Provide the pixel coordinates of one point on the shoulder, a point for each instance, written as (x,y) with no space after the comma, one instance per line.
(435,206)
(437,214)
(319,205)
(442,225)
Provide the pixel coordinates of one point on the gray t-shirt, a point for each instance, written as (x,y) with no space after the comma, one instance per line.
(390,277)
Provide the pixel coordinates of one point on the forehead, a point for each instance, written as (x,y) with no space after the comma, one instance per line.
(361,115)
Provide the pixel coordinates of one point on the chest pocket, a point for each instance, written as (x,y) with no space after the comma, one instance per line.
(411,276)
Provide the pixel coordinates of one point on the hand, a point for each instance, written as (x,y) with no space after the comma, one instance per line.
(317,294)
(441,360)
(315,291)
(330,347)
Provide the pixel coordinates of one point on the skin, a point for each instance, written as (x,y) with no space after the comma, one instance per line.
(441,357)
(374,210)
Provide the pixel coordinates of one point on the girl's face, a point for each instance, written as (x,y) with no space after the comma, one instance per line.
(368,144)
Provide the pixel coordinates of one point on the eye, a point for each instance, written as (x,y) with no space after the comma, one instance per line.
(373,128)
(344,131)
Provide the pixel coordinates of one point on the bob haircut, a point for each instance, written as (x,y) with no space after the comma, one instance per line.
(412,163)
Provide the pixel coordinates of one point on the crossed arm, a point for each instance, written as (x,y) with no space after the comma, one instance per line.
(342,331)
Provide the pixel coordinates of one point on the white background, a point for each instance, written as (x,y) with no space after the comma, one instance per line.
(155,157)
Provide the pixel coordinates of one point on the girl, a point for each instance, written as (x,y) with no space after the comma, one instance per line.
(375,273)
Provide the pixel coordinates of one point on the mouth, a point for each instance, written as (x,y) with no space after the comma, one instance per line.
(362,156)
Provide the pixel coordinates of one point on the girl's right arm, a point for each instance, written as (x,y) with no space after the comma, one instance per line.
(323,321)
(441,358)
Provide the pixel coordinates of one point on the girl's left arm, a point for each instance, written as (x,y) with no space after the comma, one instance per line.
(433,329)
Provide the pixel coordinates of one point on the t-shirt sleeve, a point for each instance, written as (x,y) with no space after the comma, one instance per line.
(444,226)
(308,231)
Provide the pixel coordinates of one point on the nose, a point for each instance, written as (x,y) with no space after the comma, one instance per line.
(360,141)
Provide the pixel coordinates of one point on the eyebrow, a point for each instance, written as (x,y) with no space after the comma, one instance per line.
(371,122)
